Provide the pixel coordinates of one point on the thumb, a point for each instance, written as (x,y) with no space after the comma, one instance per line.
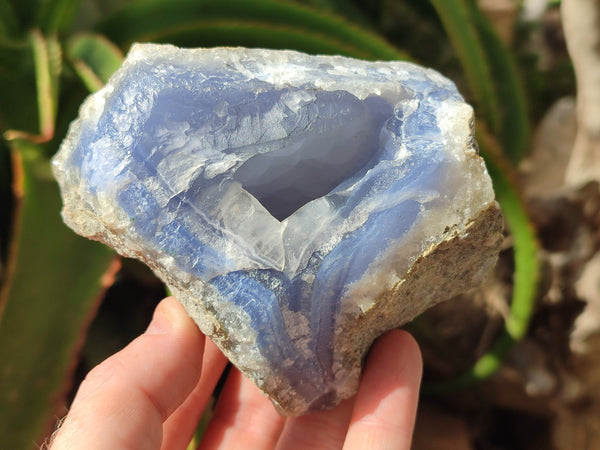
(123,402)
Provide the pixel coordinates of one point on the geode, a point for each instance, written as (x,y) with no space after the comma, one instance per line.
(298,206)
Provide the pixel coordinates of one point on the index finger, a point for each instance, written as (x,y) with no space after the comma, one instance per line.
(386,403)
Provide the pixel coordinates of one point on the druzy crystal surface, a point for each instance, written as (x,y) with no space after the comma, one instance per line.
(298,206)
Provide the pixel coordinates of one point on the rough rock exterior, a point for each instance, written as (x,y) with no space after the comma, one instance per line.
(298,206)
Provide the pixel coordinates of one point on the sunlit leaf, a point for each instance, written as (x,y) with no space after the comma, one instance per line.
(525,243)
(94,58)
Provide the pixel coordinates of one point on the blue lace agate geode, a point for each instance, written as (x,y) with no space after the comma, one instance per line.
(298,206)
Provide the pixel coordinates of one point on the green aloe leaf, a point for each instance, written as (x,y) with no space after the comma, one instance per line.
(47,60)
(57,15)
(145,19)
(495,85)
(490,72)
(514,132)
(457,20)
(525,243)
(94,59)
(343,8)
(18,101)
(8,21)
(234,33)
(47,305)
(47,54)
(25,12)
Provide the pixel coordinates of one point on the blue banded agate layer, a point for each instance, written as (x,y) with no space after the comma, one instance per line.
(277,194)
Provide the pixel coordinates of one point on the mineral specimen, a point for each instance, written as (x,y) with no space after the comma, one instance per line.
(298,206)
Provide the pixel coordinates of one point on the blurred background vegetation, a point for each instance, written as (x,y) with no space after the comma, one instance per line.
(498,361)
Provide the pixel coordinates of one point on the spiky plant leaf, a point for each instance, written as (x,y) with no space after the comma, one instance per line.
(47,304)
(144,20)
(94,58)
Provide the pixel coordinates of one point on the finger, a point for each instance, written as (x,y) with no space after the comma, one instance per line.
(386,403)
(319,430)
(179,428)
(124,400)
(244,418)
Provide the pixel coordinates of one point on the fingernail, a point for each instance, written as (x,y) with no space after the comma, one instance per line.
(162,321)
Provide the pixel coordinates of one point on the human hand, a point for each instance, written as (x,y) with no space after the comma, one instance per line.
(151,395)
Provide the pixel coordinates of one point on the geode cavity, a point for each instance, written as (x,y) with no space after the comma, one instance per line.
(298,206)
